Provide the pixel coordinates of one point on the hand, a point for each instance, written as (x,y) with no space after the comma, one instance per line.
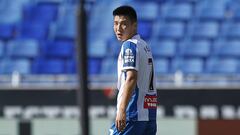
(120,121)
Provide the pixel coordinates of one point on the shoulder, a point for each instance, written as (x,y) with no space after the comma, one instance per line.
(129,45)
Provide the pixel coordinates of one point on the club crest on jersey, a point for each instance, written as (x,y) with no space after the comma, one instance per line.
(129,56)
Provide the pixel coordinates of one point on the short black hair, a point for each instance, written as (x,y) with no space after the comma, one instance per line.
(126,11)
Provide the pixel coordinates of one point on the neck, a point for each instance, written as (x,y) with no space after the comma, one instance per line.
(132,35)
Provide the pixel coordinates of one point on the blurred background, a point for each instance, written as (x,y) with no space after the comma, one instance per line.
(196,50)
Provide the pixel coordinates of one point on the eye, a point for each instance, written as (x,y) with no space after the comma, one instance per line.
(115,23)
(124,25)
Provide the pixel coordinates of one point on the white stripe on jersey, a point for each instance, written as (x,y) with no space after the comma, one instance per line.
(135,54)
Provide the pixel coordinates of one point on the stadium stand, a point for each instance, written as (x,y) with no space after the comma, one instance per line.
(22,48)
(193,36)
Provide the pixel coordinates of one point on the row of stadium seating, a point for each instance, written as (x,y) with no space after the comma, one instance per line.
(106,66)
(194,36)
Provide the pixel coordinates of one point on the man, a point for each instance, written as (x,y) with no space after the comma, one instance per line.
(137,97)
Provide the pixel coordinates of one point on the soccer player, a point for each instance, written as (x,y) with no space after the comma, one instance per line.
(137,96)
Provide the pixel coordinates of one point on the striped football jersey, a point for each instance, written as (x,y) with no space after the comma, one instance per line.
(135,54)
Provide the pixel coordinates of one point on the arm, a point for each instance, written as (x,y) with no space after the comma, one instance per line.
(129,86)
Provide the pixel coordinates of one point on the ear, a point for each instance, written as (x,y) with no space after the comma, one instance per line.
(135,25)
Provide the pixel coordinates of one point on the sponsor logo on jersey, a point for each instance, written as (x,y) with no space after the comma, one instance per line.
(150,102)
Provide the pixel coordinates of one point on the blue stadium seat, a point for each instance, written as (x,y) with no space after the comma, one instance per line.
(199,48)
(23,48)
(109,66)
(2,49)
(204,30)
(171,30)
(211,10)
(10,12)
(44,13)
(145,29)
(222,66)
(94,66)
(236,13)
(148,10)
(231,31)
(8,66)
(51,1)
(113,47)
(161,66)
(97,48)
(184,1)
(48,66)
(71,66)
(59,49)
(35,30)
(6,31)
(182,12)
(163,48)
(188,66)
(228,48)
(65,26)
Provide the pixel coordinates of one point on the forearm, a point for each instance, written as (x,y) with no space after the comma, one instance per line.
(127,92)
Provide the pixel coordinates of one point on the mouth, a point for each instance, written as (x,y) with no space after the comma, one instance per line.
(119,35)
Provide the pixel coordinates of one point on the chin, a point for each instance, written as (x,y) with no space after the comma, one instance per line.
(119,39)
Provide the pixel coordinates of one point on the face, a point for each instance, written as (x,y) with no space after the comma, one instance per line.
(123,27)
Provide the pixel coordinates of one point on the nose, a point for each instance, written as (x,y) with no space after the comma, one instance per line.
(119,28)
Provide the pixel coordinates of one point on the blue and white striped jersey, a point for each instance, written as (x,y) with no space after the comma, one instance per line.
(135,54)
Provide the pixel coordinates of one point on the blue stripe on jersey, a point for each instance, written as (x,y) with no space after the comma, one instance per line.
(152,113)
(132,111)
(125,75)
(129,54)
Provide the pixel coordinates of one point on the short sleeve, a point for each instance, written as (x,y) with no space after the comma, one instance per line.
(129,55)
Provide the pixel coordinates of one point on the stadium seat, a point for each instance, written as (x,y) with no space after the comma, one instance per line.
(97,48)
(8,66)
(71,66)
(177,12)
(48,66)
(210,13)
(161,66)
(10,12)
(171,30)
(229,49)
(236,13)
(113,47)
(231,31)
(6,31)
(51,1)
(44,13)
(222,66)
(204,30)
(23,48)
(145,29)
(148,10)
(163,48)
(2,49)
(59,49)
(211,10)
(94,66)
(35,30)
(109,66)
(198,48)
(184,1)
(233,10)
(65,26)
(188,66)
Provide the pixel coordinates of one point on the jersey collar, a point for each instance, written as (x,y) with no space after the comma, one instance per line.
(137,36)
